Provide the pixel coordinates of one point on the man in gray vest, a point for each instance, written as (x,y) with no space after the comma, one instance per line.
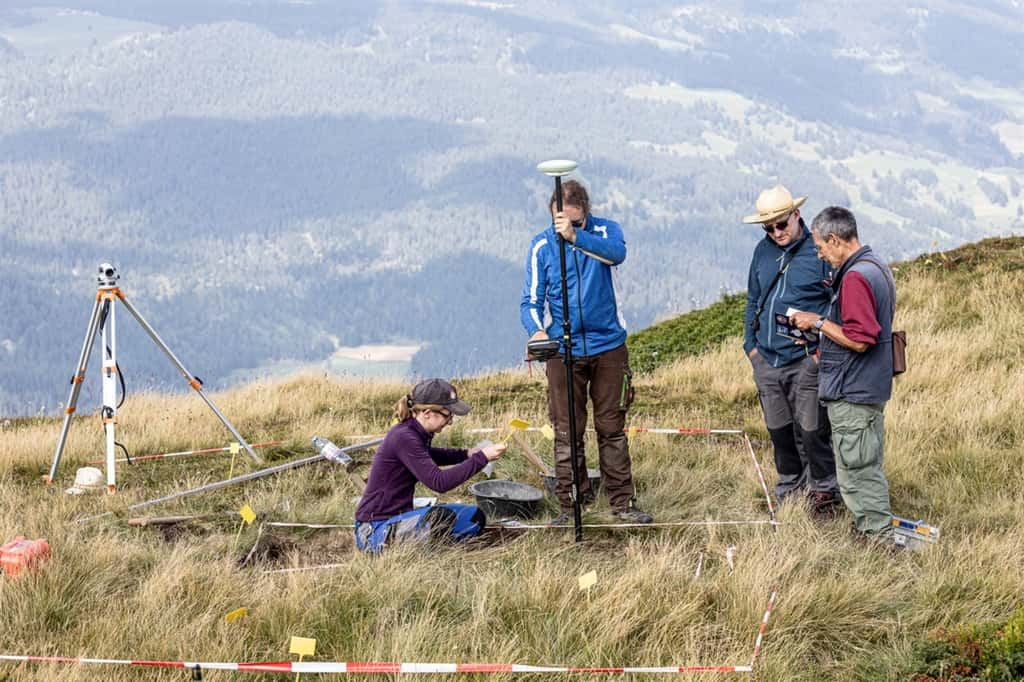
(855,372)
(785,273)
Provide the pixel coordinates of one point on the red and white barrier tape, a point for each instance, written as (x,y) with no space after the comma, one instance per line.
(332,667)
(764,626)
(688,432)
(631,429)
(379,667)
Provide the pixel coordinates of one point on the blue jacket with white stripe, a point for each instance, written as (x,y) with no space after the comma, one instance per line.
(595,323)
(801,285)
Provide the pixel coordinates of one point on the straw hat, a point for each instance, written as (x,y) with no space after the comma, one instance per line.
(87,480)
(773,204)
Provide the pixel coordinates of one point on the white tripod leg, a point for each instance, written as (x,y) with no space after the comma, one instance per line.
(109,411)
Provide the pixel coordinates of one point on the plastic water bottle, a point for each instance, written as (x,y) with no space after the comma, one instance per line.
(331,451)
(487,471)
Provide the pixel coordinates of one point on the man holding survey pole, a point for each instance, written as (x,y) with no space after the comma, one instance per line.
(600,363)
(785,274)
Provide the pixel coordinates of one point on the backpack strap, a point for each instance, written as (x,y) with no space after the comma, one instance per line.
(889,284)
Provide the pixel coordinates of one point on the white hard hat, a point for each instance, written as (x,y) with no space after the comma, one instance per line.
(87,480)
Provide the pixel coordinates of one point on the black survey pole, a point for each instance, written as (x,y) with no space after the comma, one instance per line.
(569,392)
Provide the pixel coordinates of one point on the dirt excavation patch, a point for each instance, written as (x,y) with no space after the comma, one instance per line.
(177,532)
(275,550)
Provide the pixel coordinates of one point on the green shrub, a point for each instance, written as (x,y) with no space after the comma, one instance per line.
(1004,660)
(971,652)
(689,334)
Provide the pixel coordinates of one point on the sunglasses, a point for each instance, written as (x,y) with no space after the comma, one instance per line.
(779,226)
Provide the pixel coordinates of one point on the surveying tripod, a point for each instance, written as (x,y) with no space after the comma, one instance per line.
(103,317)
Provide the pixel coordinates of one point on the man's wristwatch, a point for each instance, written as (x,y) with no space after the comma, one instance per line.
(819,323)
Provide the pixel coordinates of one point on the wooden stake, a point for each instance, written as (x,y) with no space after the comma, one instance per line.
(531,455)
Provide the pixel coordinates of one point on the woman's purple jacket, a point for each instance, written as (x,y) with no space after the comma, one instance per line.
(405,457)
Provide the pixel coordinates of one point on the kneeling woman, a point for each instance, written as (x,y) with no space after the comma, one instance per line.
(385,514)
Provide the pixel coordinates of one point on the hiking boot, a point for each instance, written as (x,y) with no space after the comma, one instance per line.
(875,542)
(824,504)
(790,495)
(633,514)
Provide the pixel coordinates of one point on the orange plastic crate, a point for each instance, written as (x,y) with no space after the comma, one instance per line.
(20,554)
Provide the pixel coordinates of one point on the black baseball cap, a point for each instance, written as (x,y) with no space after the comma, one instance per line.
(439,392)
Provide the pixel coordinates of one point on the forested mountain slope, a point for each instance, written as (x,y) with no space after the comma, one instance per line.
(277,180)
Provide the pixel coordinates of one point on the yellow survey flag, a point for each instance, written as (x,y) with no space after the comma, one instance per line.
(515,424)
(547,432)
(588,580)
(248,515)
(303,646)
(236,614)
(234,448)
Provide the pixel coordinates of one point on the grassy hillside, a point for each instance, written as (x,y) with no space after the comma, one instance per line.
(689,334)
(954,436)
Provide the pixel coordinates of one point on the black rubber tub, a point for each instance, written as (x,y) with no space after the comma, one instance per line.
(505,499)
(593,474)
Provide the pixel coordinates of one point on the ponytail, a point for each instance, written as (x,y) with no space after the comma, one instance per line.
(403,408)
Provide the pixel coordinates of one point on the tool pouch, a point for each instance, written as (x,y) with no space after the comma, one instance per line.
(899,352)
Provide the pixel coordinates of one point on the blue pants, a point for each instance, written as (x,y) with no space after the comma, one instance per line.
(441,523)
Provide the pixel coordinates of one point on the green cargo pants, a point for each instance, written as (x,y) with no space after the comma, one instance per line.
(858,437)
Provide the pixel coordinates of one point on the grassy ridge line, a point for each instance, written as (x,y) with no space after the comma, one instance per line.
(697,331)
(954,435)
(689,334)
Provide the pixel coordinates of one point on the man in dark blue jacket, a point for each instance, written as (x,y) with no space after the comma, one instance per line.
(786,275)
(598,333)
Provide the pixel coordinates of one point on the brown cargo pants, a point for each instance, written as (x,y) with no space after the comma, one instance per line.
(606,378)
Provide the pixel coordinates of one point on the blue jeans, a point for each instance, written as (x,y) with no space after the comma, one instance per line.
(441,523)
